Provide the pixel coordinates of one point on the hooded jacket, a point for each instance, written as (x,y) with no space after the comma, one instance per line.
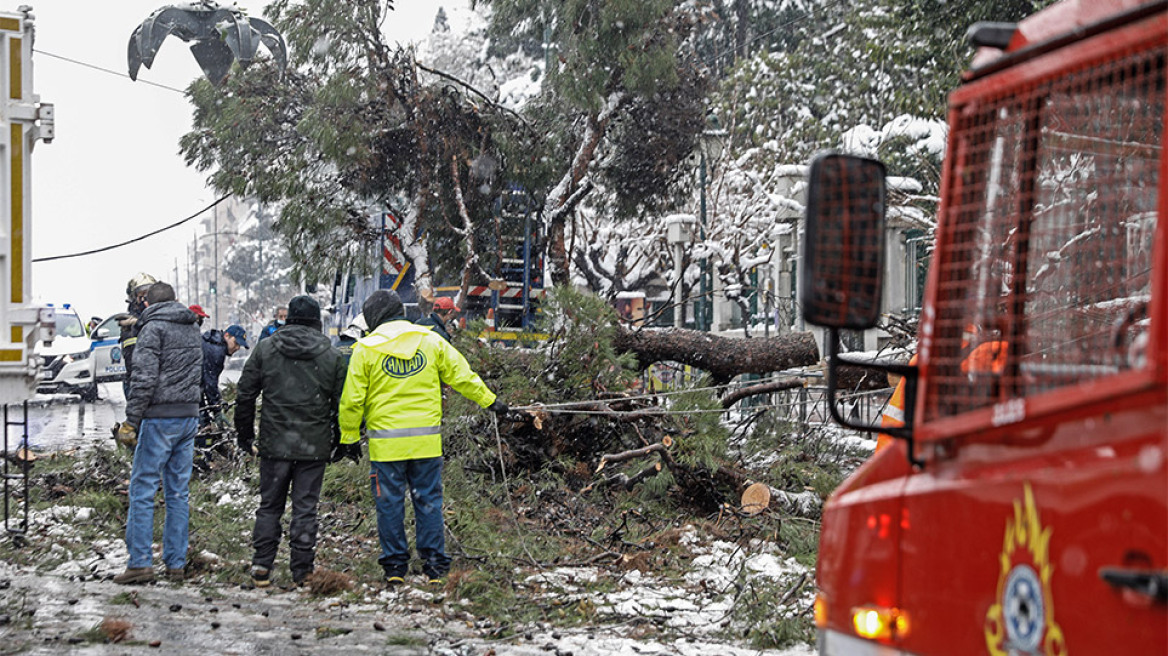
(300,376)
(168,362)
(214,355)
(395,381)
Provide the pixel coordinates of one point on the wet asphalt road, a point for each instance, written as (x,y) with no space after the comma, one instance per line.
(63,422)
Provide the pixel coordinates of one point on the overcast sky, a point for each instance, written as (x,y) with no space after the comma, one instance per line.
(114,171)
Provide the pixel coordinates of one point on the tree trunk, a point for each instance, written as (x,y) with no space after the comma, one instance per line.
(722,357)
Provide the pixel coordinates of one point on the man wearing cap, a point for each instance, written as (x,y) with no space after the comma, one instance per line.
(395,382)
(442,313)
(199,312)
(216,347)
(299,374)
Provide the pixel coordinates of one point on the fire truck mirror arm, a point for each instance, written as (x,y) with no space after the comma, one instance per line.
(911,375)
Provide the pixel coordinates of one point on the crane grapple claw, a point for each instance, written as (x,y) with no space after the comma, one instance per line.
(219,36)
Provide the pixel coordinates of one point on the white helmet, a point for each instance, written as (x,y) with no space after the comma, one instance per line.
(138,282)
(357,328)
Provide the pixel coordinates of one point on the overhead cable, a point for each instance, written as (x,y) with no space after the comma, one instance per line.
(105,70)
(135,239)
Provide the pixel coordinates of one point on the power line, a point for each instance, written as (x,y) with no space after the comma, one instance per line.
(135,239)
(105,70)
(798,19)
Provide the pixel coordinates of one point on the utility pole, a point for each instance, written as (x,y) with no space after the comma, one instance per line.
(215,292)
(195,245)
(703,293)
(260,241)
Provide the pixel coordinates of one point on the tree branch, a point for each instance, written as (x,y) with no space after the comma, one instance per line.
(754,390)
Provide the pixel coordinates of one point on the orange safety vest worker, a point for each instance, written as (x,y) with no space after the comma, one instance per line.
(986,357)
(893,415)
(989,354)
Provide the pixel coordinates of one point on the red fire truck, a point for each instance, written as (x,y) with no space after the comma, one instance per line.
(1023,507)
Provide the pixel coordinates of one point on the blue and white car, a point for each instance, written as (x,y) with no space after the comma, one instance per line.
(66,366)
(107,363)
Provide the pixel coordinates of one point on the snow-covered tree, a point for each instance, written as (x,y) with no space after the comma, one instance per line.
(260,263)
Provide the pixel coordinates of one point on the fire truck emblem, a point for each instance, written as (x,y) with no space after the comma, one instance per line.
(1021,621)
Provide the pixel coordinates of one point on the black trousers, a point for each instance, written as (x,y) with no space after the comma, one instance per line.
(277,478)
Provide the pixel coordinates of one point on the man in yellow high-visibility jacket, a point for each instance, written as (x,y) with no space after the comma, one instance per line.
(395,382)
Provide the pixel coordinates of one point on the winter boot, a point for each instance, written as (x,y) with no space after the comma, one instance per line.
(135,575)
(261,577)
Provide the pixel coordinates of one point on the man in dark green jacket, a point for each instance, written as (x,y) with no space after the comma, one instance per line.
(300,375)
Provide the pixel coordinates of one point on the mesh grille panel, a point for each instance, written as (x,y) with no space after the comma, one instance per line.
(1045,275)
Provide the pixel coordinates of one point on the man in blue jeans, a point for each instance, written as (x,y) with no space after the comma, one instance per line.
(395,383)
(162,415)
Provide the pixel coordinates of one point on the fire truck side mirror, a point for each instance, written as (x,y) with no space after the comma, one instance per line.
(843,258)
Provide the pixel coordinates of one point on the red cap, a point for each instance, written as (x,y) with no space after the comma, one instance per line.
(444,303)
(199,312)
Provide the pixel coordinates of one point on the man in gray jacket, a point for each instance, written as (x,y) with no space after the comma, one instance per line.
(300,375)
(162,413)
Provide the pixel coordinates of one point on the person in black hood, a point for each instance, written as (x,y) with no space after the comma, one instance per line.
(300,376)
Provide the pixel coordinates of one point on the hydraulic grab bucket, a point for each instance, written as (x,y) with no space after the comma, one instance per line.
(218,37)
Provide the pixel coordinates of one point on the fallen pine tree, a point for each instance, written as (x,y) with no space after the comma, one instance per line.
(584,408)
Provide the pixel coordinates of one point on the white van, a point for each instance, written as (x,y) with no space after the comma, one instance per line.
(66,366)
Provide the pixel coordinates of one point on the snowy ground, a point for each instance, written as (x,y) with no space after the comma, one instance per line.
(49,614)
(57,611)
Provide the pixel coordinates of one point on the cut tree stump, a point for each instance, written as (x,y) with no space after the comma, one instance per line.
(755,498)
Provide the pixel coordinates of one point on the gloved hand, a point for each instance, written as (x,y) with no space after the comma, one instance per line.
(499,407)
(246,443)
(351,451)
(127,435)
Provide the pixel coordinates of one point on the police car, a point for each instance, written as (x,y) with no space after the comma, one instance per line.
(66,366)
(108,365)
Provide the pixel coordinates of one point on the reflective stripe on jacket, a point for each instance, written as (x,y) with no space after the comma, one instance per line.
(395,382)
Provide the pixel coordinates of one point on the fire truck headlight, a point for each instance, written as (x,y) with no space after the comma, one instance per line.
(820,610)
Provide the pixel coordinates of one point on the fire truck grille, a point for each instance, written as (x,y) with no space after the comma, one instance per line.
(1045,259)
